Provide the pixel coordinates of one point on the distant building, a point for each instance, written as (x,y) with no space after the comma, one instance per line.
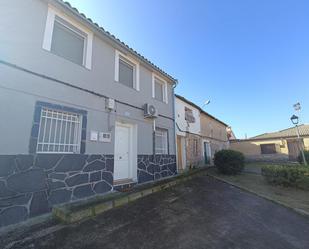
(275,146)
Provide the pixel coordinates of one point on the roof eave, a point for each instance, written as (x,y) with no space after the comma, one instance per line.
(268,138)
(200,109)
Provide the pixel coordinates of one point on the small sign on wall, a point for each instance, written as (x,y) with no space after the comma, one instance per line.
(105,137)
(93,136)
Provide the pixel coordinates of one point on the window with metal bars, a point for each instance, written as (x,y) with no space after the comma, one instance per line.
(195,147)
(161,137)
(59,132)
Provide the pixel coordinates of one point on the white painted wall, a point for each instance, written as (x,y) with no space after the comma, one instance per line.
(180,118)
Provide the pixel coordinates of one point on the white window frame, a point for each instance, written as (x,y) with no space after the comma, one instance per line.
(120,56)
(158,129)
(49,28)
(77,133)
(164,83)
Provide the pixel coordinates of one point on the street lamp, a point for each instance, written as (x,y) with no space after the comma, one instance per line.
(206,103)
(295,120)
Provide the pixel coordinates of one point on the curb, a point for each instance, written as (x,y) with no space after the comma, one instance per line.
(68,216)
(297,210)
(102,207)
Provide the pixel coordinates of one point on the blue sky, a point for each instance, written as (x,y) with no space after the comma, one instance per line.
(249,57)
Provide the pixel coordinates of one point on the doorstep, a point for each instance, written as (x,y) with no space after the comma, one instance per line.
(124,185)
(85,209)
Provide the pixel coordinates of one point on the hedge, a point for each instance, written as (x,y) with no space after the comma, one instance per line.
(229,162)
(288,176)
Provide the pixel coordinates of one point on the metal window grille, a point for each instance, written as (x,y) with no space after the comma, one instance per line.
(195,147)
(59,132)
(161,141)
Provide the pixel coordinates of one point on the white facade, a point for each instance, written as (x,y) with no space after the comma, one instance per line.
(182,124)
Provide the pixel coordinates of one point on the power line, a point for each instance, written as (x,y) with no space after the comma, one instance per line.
(73,86)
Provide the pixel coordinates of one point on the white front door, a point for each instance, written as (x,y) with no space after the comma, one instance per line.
(122,164)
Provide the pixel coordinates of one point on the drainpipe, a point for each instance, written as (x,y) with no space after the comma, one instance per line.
(174,115)
(154,137)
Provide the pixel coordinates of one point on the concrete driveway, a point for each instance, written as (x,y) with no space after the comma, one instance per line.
(201,213)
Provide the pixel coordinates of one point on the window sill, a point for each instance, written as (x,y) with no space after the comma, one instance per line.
(65,59)
(161,101)
(122,84)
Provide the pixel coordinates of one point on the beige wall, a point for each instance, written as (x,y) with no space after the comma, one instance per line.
(212,128)
(306,142)
(215,133)
(252,149)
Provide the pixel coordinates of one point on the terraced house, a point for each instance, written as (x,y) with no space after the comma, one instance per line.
(199,135)
(86,115)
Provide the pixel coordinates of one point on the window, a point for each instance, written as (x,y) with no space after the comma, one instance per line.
(268,148)
(189,115)
(59,132)
(161,137)
(126,70)
(126,73)
(195,147)
(159,89)
(68,42)
(65,37)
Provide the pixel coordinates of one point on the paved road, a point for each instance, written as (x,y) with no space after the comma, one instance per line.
(202,213)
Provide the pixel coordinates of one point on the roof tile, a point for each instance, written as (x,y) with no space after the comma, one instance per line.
(290,132)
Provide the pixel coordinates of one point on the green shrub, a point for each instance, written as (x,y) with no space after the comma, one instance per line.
(287,175)
(300,157)
(229,162)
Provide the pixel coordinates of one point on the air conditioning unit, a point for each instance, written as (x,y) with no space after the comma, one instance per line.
(150,111)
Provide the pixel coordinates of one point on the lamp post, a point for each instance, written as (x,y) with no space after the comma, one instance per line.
(207,102)
(295,120)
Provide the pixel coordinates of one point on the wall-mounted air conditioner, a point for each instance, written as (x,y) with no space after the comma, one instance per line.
(150,111)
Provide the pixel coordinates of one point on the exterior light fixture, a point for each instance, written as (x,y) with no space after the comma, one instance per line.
(207,102)
(295,119)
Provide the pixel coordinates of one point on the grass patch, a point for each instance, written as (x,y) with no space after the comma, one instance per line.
(292,197)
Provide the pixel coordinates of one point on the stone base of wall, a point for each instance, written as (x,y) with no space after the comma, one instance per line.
(267,158)
(30,185)
(155,167)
